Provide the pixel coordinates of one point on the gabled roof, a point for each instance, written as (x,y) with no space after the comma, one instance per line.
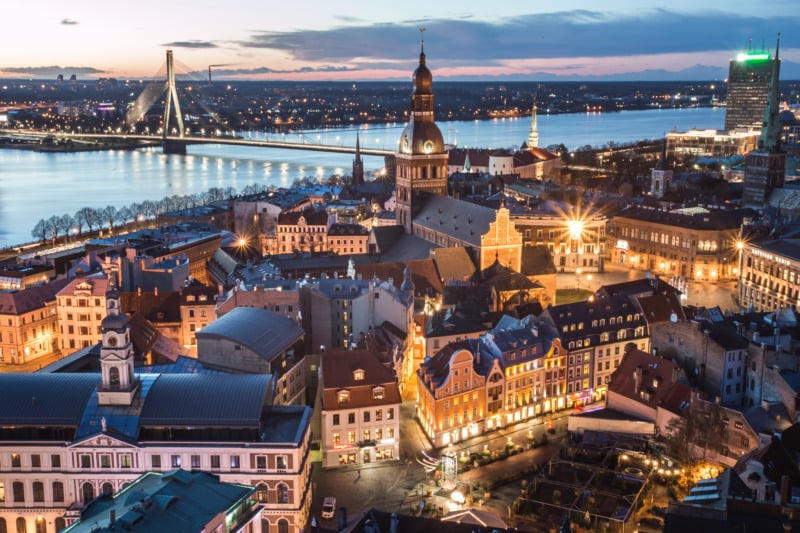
(156,307)
(423,274)
(338,372)
(660,308)
(453,264)
(659,382)
(30,299)
(462,220)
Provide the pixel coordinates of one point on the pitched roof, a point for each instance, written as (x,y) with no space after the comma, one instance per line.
(338,369)
(659,381)
(462,220)
(453,264)
(34,297)
(423,274)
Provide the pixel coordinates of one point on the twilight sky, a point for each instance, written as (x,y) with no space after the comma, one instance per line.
(379,39)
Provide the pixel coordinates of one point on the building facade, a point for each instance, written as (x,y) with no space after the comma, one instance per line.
(360,409)
(691,244)
(576,243)
(29,323)
(88,434)
(81,308)
(749,78)
(770,274)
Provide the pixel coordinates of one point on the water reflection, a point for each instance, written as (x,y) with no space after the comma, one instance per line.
(39,185)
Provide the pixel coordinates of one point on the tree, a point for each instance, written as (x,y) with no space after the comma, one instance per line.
(84,218)
(40,230)
(54,225)
(108,213)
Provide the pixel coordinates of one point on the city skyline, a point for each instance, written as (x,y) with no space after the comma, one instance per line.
(504,40)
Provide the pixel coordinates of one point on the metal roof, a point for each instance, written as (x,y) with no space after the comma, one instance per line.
(45,399)
(206,400)
(264,332)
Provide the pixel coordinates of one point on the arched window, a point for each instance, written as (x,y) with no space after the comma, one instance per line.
(3,528)
(264,524)
(22,527)
(38,491)
(113,376)
(88,492)
(58,491)
(283,493)
(19,491)
(283,526)
(262,493)
(41,525)
(108,488)
(60,524)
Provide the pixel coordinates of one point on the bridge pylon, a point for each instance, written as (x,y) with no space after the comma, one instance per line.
(172,146)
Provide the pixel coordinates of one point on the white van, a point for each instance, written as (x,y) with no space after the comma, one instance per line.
(328,507)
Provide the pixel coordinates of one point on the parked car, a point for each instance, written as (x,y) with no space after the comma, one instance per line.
(328,507)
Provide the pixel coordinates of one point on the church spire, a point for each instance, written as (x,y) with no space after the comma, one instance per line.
(770,140)
(533,136)
(358,165)
(467,164)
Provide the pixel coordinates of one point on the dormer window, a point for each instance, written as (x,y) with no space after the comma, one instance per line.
(343,396)
(377,393)
(190,298)
(203,297)
(358,375)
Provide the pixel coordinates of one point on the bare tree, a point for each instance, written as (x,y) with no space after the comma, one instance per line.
(40,230)
(108,213)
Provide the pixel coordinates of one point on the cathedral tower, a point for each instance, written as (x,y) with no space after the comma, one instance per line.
(421,159)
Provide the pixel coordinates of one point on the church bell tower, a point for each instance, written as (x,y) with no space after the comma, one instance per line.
(422,157)
(119,384)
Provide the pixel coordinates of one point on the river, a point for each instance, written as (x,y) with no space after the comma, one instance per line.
(37,185)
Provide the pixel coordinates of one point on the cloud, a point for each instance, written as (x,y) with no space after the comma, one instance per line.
(68,22)
(246,72)
(190,44)
(51,71)
(579,33)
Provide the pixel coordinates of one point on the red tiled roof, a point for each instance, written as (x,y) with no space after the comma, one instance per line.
(656,385)
(338,367)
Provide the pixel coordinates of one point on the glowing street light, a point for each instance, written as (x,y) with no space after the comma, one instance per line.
(575,228)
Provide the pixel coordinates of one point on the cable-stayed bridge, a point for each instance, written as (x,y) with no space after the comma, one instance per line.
(172,133)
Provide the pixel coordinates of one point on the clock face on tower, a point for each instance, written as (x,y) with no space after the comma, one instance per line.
(405,145)
(428,147)
(112,341)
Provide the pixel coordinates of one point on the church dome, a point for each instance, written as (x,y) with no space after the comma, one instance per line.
(422,78)
(421,138)
(116,323)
